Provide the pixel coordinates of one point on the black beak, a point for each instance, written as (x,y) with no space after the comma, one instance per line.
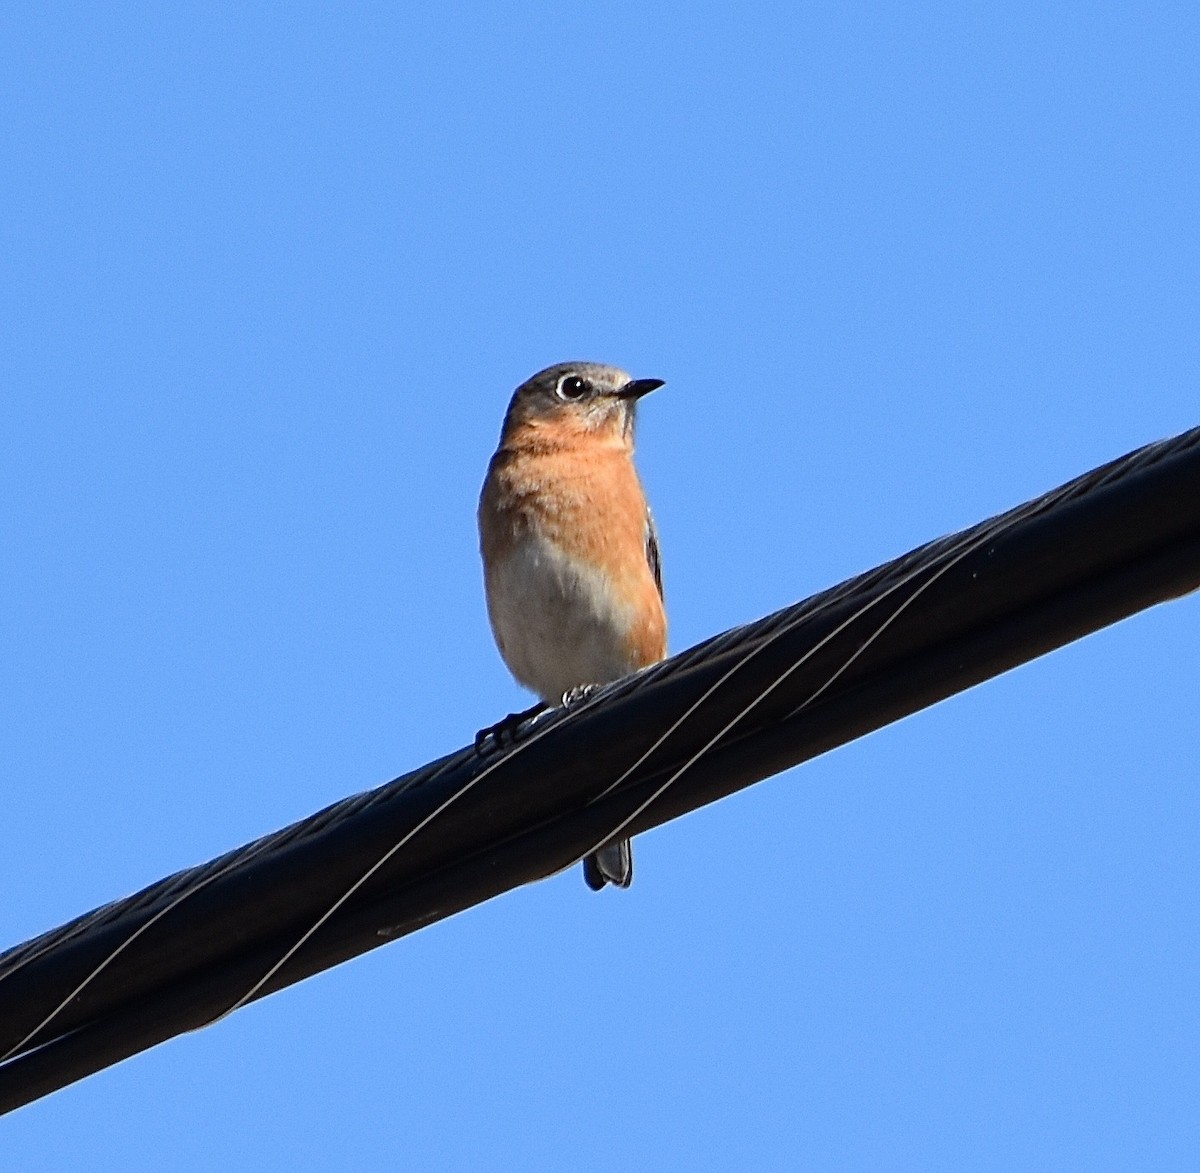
(636,388)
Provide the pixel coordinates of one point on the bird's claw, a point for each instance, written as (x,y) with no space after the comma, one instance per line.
(580,692)
(504,733)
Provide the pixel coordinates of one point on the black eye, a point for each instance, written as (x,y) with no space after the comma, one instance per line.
(572,387)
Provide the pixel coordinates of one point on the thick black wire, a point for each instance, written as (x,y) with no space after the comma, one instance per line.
(83,980)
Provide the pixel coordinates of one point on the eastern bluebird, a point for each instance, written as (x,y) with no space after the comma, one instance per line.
(570,552)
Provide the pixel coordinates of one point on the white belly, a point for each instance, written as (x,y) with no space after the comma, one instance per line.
(557,623)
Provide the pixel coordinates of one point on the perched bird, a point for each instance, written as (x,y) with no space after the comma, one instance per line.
(570,553)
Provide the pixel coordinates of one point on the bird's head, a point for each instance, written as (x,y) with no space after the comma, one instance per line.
(585,397)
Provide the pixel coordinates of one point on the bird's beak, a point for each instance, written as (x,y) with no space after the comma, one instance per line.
(636,388)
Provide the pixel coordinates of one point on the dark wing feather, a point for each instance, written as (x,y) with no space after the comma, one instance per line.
(653,557)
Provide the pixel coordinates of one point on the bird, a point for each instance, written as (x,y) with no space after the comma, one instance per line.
(571,563)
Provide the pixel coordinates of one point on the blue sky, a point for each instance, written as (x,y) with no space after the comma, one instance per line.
(270,276)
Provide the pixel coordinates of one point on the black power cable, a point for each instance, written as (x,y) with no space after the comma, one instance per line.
(700,726)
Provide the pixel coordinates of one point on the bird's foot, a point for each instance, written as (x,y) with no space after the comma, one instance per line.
(504,733)
(579,693)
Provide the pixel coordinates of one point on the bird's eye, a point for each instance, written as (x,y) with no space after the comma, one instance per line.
(571,387)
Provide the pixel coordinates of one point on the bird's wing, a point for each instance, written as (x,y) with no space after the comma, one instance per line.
(653,557)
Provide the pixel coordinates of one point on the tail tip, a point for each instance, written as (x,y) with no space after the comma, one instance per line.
(612,864)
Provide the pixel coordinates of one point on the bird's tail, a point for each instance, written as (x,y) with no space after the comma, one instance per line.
(612,864)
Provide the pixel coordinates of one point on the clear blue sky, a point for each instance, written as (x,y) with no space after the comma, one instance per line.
(269,277)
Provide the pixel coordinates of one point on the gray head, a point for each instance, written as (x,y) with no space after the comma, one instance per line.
(580,396)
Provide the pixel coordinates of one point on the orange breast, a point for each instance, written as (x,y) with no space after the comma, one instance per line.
(581,492)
